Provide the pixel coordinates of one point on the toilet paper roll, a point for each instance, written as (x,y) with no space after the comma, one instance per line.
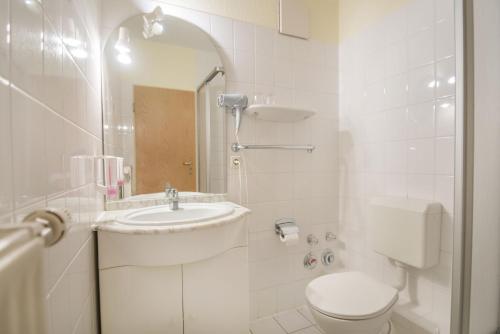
(290,239)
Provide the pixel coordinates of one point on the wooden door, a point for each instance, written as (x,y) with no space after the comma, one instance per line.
(165,139)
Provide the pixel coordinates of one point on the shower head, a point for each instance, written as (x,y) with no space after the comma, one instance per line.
(236,103)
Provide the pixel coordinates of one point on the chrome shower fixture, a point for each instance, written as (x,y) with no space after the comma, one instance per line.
(236,103)
(153,23)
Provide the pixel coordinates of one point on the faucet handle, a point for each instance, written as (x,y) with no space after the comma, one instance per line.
(310,261)
(173,198)
(168,189)
(312,240)
(330,236)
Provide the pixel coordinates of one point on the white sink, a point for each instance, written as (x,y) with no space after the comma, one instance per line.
(188,213)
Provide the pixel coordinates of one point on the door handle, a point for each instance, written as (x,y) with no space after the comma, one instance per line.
(187,163)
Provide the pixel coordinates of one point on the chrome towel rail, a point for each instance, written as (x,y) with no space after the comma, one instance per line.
(237,147)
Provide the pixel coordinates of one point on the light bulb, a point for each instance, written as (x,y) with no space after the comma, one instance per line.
(157,28)
(121,48)
(122,45)
(124,58)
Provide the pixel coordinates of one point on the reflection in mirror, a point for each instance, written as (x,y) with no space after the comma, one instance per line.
(162,77)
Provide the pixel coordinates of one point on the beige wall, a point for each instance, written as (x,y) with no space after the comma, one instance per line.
(161,65)
(323,13)
(359,14)
(324,20)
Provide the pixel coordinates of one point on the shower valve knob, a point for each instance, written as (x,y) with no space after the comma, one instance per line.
(327,257)
(310,262)
(312,240)
(329,236)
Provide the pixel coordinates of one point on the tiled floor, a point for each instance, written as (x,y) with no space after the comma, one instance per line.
(299,321)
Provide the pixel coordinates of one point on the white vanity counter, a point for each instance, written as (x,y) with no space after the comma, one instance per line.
(107,222)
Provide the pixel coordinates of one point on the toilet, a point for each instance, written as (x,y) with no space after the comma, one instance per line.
(404,230)
(351,302)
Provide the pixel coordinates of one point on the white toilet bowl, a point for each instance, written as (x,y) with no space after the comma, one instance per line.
(351,303)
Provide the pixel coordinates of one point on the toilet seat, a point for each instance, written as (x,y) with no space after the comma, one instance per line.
(350,296)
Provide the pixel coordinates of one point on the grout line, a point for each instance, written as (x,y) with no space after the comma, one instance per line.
(60,37)
(296,309)
(298,330)
(65,271)
(34,99)
(276,321)
(46,199)
(80,316)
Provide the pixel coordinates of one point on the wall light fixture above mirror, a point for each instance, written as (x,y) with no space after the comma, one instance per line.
(154,23)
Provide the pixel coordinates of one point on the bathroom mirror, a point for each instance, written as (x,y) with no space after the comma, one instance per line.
(161,79)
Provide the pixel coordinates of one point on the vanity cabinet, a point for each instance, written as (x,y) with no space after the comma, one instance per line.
(141,300)
(215,294)
(142,291)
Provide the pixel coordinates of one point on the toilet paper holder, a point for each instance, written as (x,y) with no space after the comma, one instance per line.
(286,226)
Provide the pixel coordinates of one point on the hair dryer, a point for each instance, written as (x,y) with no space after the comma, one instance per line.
(237,103)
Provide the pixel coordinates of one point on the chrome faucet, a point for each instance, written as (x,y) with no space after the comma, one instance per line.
(173,198)
(168,189)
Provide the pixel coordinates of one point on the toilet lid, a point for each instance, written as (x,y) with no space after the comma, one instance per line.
(350,296)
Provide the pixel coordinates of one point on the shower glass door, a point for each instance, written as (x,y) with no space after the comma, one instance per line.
(211,137)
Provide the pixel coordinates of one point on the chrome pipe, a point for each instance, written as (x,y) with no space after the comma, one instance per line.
(211,75)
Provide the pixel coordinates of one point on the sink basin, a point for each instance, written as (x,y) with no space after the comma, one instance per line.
(188,213)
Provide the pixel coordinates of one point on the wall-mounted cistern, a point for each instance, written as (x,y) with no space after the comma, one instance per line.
(407,231)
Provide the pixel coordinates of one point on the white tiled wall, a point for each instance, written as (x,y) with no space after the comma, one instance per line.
(283,184)
(397,136)
(50,113)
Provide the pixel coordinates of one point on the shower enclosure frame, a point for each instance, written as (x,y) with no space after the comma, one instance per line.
(464,168)
(206,187)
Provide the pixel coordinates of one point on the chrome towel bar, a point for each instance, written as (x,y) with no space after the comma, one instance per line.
(237,147)
(49,224)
